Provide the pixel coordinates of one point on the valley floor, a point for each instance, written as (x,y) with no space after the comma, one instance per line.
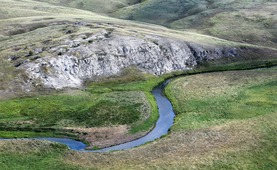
(225,120)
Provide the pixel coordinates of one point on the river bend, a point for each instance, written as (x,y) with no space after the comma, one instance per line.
(164,123)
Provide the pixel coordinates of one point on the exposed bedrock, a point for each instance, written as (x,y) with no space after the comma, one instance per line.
(102,54)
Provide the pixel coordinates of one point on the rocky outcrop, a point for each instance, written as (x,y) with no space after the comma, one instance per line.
(104,54)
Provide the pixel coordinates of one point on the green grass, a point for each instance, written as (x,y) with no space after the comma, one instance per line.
(99,6)
(120,84)
(18,134)
(242,98)
(260,156)
(205,139)
(32,155)
(215,127)
(119,100)
(132,79)
(243,21)
(149,122)
(84,110)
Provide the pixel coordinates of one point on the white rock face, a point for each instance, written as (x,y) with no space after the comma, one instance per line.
(104,55)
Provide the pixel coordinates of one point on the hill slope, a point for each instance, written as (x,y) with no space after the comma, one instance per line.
(44,45)
(253,21)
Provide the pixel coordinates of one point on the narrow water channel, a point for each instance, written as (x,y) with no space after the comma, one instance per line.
(165,121)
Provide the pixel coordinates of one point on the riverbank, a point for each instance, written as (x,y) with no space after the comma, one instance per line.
(163,124)
(211,136)
(106,113)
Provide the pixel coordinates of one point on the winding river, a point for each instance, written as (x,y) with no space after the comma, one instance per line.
(165,121)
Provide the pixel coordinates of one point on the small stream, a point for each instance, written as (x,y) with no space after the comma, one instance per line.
(165,121)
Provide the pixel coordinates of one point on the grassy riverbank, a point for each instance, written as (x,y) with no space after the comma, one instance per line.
(110,103)
(82,110)
(210,99)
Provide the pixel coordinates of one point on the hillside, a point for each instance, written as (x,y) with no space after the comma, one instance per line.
(38,37)
(253,21)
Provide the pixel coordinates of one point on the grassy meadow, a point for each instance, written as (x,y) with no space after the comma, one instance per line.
(215,98)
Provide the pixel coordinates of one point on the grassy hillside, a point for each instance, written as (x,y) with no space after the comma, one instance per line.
(99,6)
(251,21)
(244,21)
(28,27)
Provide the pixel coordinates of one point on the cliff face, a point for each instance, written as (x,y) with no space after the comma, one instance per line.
(105,54)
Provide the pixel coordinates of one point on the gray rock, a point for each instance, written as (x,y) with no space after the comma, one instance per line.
(108,55)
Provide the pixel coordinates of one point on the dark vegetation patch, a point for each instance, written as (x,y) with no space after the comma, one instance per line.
(106,112)
(20,29)
(81,110)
